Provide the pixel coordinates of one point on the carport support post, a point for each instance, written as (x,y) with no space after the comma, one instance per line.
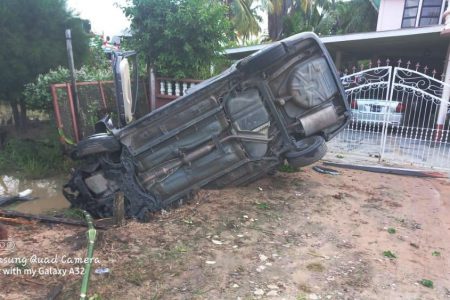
(443,107)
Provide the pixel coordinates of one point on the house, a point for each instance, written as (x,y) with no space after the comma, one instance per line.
(412,45)
(397,14)
(410,30)
(410,33)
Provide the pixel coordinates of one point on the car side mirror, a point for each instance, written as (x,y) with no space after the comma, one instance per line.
(126,93)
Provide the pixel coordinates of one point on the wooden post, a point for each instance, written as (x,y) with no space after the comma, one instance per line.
(119,209)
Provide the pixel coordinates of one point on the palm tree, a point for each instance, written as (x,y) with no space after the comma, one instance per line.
(277,10)
(358,16)
(349,17)
(328,17)
(296,16)
(244,16)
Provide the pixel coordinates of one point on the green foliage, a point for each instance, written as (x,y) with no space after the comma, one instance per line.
(427,283)
(389,254)
(245,18)
(181,38)
(33,41)
(391,230)
(73,213)
(304,18)
(348,17)
(38,95)
(328,17)
(436,253)
(34,159)
(22,265)
(97,58)
(263,206)
(287,169)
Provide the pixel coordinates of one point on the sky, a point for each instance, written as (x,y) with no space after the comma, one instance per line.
(104,15)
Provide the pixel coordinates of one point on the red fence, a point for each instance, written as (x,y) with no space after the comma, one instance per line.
(96,99)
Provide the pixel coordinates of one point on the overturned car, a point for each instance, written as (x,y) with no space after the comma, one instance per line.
(280,104)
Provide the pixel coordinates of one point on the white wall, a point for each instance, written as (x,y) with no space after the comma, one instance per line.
(390,15)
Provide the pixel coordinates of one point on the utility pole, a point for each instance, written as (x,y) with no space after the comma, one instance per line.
(72,73)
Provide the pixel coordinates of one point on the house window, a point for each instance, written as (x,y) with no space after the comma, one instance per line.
(410,13)
(421,12)
(431,12)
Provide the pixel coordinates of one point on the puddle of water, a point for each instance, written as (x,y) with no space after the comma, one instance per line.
(48,193)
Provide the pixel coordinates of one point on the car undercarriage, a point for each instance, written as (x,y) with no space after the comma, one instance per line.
(280,104)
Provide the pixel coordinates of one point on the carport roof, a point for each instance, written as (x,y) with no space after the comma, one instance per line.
(418,42)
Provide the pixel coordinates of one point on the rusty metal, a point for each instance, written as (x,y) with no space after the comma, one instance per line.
(73,113)
(59,122)
(102,94)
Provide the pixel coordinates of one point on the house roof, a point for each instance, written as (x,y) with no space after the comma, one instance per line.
(376,4)
(424,41)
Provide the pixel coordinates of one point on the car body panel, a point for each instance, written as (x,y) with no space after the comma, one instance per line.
(377,111)
(228,130)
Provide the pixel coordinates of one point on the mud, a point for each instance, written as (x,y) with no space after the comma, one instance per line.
(48,193)
(297,236)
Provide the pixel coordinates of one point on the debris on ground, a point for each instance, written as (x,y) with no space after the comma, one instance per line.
(427,283)
(10,199)
(305,247)
(389,170)
(324,170)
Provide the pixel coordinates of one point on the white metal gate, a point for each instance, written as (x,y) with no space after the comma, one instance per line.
(398,116)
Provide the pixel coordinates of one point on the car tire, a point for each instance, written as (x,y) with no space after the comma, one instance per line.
(262,60)
(309,150)
(95,144)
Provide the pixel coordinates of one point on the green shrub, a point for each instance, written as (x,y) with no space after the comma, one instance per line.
(33,159)
(38,95)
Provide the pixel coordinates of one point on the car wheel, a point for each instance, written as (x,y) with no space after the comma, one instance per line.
(309,150)
(95,144)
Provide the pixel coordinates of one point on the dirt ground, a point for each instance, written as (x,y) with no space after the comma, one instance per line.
(300,235)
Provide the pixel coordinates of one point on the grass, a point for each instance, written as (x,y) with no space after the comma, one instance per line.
(22,265)
(70,213)
(389,254)
(391,230)
(173,253)
(301,297)
(33,158)
(436,253)
(288,169)
(263,206)
(73,213)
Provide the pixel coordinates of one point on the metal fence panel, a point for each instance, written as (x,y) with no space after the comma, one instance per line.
(399,116)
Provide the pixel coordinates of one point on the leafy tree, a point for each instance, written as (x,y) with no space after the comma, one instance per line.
(37,93)
(306,16)
(349,17)
(180,38)
(33,41)
(329,17)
